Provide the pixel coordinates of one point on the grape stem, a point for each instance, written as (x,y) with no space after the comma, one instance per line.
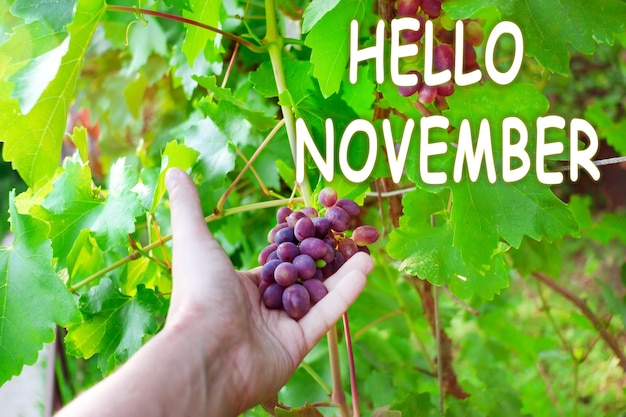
(135,254)
(337,396)
(355,393)
(169,16)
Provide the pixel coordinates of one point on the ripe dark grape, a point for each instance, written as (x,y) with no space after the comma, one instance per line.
(408,7)
(272,233)
(347,248)
(296,301)
(309,212)
(446,90)
(412,36)
(305,265)
(304,228)
(322,226)
(267,271)
(273,296)
(443,57)
(339,219)
(266,252)
(293,218)
(287,251)
(432,8)
(407,91)
(314,247)
(284,235)
(286,274)
(327,197)
(427,94)
(469,57)
(317,290)
(349,206)
(330,254)
(365,235)
(282,213)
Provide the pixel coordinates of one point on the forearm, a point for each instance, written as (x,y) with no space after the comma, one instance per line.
(162,379)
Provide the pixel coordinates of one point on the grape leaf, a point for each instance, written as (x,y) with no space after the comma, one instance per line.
(179,4)
(612,131)
(217,155)
(143,41)
(33,141)
(484,213)
(329,41)
(55,13)
(581,24)
(32,297)
(429,252)
(114,324)
(315,11)
(74,205)
(175,155)
(203,11)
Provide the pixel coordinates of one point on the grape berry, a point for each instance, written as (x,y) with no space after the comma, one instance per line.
(306,248)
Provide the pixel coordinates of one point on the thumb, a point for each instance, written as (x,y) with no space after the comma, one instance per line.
(196,255)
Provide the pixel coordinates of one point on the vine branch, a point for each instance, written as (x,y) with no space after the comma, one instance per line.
(586,311)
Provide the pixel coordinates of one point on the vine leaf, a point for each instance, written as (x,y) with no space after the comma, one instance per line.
(33,140)
(581,24)
(32,297)
(179,4)
(315,11)
(174,155)
(428,252)
(56,14)
(74,205)
(114,324)
(203,11)
(329,41)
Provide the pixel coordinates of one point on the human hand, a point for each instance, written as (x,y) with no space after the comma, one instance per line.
(220,313)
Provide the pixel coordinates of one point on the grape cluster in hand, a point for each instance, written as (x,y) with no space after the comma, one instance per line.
(305,248)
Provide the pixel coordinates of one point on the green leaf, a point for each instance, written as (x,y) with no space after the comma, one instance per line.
(74,205)
(145,39)
(80,139)
(179,4)
(580,23)
(85,258)
(329,41)
(115,324)
(32,297)
(612,131)
(33,141)
(315,11)
(203,11)
(175,155)
(217,155)
(429,253)
(55,13)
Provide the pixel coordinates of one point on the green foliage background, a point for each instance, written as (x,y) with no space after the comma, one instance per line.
(526,281)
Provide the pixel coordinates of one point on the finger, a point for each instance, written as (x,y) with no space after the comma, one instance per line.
(344,287)
(196,254)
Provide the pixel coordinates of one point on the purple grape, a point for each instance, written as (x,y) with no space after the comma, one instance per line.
(314,247)
(271,236)
(408,7)
(304,228)
(267,270)
(364,249)
(469,57)
(338,218)
(322,227)
(339,261)
(282,213)
(273,257)
(286,274)
(330,240)
(412,36)
(296,301)
(287,251)
(305,265)
(293,218)
(330,254)
(407,91)
(327,271)
(445,90)
(432,8)
(365,235)
(427,94)
(319,276)
(327,197)
(284,235)
(317,290)
(349,206)
(310,212)
(443,57)
(266,252)
(347,248)
(445,36)
(273,297)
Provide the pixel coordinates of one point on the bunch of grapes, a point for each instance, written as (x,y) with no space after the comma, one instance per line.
(443,52)
(305,248)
